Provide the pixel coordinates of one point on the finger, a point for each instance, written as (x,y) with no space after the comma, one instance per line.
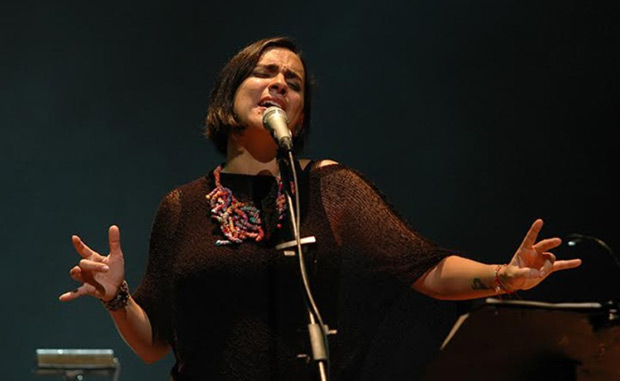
(527,273)
(532,234)
(69,296)
(84,289)
(547,244)
(546,268)
(83,249)
(114,239)
(87,265)
(549,256)
(566,264)
(76,274)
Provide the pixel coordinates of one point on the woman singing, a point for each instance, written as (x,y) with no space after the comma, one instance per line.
(229,304)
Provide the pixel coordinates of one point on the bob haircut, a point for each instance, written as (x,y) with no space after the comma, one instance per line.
(220,121)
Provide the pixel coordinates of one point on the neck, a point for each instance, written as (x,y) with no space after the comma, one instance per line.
(247,165)
(253,152)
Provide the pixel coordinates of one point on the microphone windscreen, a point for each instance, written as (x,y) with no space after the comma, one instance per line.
(275,121)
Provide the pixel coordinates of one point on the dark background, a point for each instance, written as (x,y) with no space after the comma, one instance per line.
(474,117)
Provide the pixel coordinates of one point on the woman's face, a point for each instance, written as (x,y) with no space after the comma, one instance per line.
(277,80)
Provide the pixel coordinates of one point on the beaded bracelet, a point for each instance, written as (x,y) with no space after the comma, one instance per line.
(120,299)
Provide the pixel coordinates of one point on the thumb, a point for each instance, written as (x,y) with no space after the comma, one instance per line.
(114,239)
(527,273)
(84,289)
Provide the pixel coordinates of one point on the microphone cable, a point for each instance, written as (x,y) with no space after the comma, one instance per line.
(317,348)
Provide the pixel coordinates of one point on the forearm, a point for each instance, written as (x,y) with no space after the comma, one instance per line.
(133,324)
(458,278)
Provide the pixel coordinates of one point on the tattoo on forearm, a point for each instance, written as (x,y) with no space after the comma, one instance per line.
(476,284)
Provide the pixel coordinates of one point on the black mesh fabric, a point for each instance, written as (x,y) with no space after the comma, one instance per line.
(237,312)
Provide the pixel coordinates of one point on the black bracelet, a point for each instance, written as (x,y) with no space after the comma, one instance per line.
(120,299)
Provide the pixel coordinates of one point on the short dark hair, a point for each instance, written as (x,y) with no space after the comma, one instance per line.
(220,120)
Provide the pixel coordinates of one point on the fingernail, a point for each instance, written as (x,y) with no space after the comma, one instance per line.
(542,273)
(105,268)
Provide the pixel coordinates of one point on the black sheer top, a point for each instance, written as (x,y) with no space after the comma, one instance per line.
(237,312)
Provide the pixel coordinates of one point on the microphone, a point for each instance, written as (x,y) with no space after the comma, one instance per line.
(276,122)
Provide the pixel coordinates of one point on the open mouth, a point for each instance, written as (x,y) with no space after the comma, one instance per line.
(269,103)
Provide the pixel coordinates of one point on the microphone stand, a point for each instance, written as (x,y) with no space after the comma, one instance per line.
(317,330)
(576,238)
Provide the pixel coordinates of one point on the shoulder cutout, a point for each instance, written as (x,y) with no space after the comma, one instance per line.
(325,163)
(317,164)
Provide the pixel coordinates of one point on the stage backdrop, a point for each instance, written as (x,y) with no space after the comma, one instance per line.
(474,117)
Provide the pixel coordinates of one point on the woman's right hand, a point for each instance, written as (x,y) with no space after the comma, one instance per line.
(101,276)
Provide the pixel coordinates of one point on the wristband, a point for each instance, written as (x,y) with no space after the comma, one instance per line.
(499,287)
(120,299)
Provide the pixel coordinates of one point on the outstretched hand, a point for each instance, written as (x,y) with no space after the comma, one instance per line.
(533,261)
(101,276)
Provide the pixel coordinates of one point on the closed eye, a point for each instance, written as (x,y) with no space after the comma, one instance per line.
(294,85)
(260,74)
(292,78)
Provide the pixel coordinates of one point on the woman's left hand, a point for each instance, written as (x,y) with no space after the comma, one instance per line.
(533,262)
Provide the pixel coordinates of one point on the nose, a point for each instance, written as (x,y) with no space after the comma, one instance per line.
(279,85)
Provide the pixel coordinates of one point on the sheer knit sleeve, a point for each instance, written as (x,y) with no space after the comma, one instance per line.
(153,293)
(374,238)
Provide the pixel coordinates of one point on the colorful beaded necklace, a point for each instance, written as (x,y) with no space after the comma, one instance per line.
(240,221)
